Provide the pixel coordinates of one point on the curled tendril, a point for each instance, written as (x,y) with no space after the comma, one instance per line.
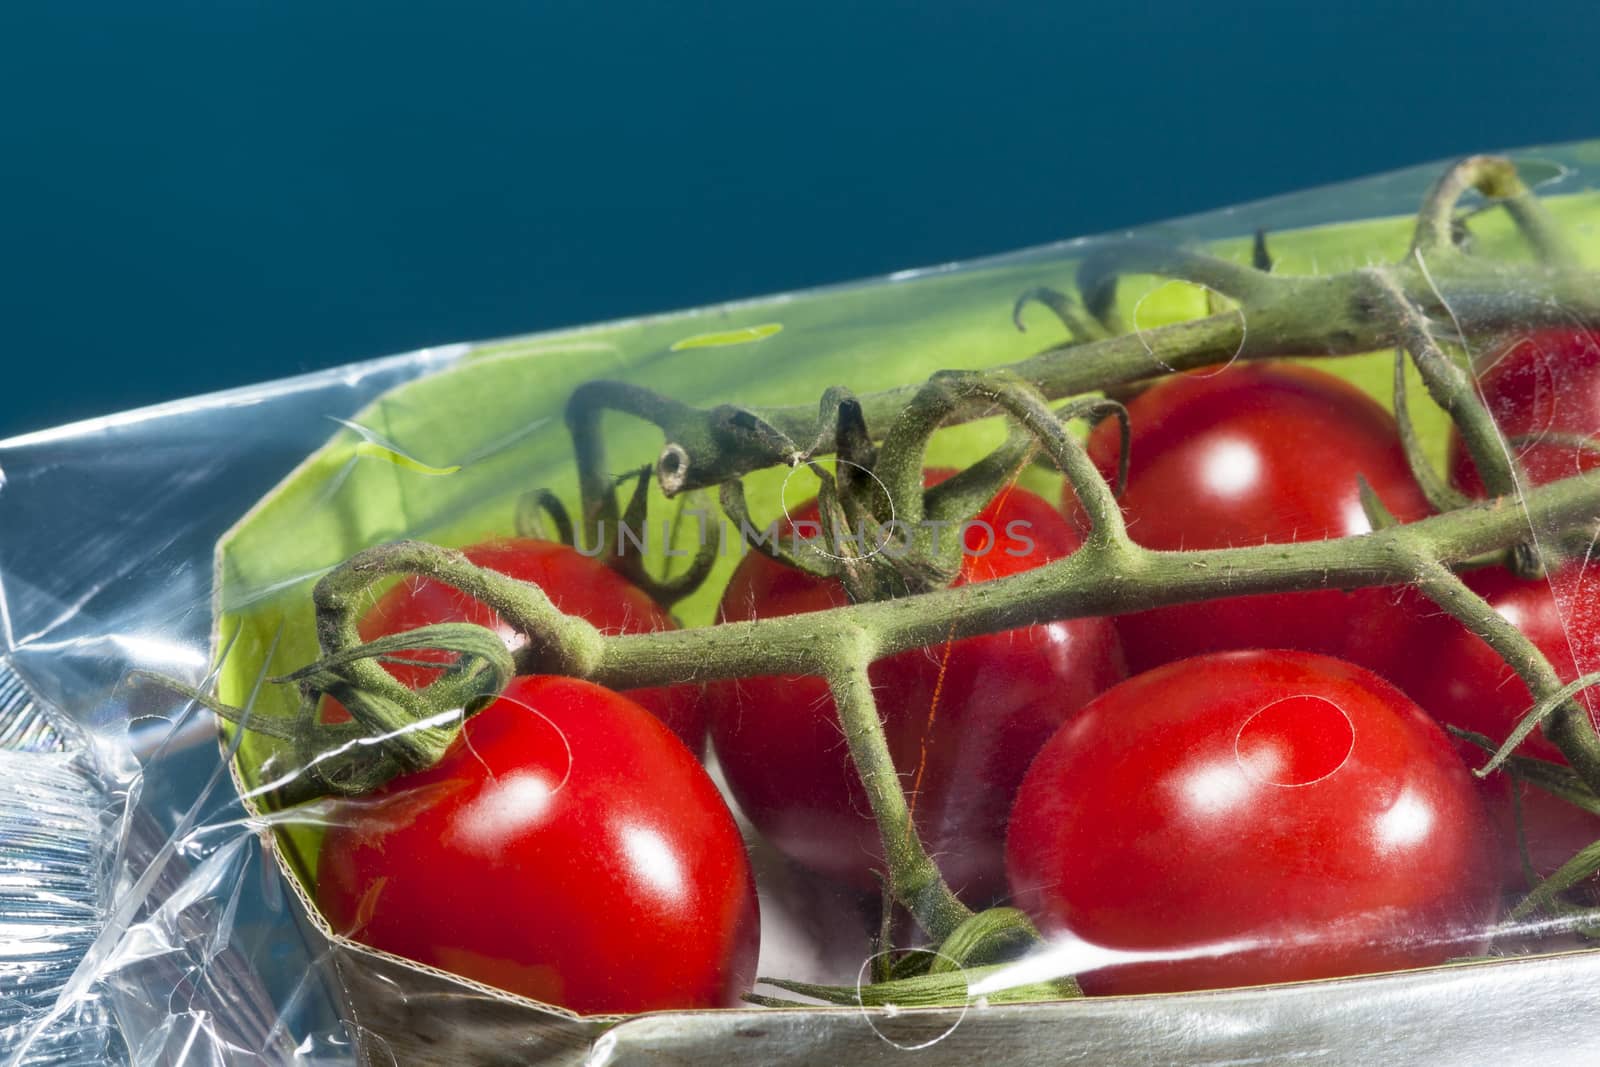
(393,729)
(1079,329)
(537,506)
(1439,494)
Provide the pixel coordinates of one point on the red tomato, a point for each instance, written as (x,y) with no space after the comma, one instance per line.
(575,583)
(1542,384)
(1462,682)
(1252,454)
(962,719)
(1248,818)
(567,848)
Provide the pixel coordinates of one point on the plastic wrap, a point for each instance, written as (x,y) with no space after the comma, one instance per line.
(161,826)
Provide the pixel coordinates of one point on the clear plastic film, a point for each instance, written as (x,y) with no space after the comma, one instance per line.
(986,670)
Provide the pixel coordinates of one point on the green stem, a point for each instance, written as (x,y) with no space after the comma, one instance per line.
(1098,579)
(1099,272)
(1546,895)
(904,448)
(914,880)
(1304,316)
(670,589)
(1094,495)
(1279,315)
(1569,726)
(585,410)
(938,989)
(1451,387)
(533,508)
(1078,328)
(1497,179)
(1440,494)
(564,643)
(970,489)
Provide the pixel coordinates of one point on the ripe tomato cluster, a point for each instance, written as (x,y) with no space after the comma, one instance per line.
(1271,796)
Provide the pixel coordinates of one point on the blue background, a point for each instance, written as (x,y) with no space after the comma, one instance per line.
(195,194)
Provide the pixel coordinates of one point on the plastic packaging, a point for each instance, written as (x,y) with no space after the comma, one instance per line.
(163,883)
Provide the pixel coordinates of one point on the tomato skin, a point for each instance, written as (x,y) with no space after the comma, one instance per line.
(1536,386)
(577,854)
(1463,682)
(1276,797)
(1542,383)
(1251,454)
(962,719)
(575,583)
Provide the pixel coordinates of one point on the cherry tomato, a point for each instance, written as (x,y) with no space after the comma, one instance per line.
(1251,454)
(963,719)
(1540,387)
(1248,818)
(1462,682)
(575,583)
(567,848)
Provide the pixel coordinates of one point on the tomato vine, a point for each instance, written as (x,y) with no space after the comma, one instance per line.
(1374,307)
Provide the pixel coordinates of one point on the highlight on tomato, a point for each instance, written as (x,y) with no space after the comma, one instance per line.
(962,719)
(1260,453)
(568,848)
(1244,818)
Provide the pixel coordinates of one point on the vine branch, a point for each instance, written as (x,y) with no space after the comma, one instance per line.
(914,880)
(1292,316)
(1104,577)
